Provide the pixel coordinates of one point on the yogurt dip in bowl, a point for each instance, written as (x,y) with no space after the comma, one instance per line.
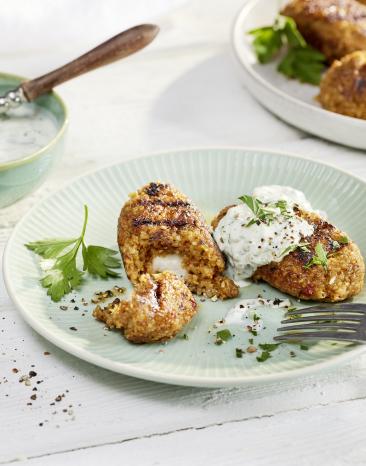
(31,140)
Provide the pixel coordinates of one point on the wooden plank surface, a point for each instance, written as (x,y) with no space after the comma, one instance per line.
(181,92)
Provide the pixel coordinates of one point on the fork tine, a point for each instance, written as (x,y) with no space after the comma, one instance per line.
(320,326)
(343,307)
(340,336)
(335,318)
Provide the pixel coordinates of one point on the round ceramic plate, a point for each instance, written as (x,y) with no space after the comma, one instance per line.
(292,101)
(213,179)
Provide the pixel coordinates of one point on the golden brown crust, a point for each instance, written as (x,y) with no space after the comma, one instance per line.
(335,27)
(161,305)
(159,220)
(343,278)
(343,87)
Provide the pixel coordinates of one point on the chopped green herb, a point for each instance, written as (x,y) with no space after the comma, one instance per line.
(64,276)
(264,356)
(293,247)
(224,335)
(239,352)
(251,340)
(184,337)
(252,331)
(282,205)
(269,346)
(301,61)
(304,347)
(320,257)
(343,240)
(266,43)
(256,317)
(291,309)
(261,212)
(292,354)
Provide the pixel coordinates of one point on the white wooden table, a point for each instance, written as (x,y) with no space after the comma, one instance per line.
(181,92)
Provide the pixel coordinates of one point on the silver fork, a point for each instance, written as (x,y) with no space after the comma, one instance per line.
(341,322)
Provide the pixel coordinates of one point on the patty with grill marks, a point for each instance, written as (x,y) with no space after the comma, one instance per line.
(159,221)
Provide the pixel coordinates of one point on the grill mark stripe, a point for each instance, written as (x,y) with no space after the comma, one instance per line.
(171,223)
(177,203)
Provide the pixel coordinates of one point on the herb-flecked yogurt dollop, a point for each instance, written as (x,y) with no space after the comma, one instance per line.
(254,234)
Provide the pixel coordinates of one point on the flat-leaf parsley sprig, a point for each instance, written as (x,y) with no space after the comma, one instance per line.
(301,61)
(63,275)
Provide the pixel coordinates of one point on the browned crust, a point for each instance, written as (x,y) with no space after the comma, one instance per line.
(335,27)
(343,279)
(343,87)
(159,220)
(160,306)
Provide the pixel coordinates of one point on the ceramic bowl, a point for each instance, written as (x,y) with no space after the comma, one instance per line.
(21,176)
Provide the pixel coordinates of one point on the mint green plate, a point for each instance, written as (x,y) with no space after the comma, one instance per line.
(213,179)
(21,176)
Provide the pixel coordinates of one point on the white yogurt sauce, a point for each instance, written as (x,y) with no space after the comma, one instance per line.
(169,263)
(24,131)
(250,247)
(292,196)
(273,193)
(246,312)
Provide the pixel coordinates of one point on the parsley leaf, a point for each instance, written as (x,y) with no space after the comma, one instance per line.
(224,335)
(269,346)
(264,356)
(266,43)
(343,240)
(320,257)
(301,61)
(50,248)
(100,261)
(64,276)
(288,26)
(239,352)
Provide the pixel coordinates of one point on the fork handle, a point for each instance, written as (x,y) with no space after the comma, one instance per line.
(120,46)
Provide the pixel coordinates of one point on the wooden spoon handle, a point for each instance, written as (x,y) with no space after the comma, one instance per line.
(120,46)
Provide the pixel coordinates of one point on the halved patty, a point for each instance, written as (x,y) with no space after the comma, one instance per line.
(159,220)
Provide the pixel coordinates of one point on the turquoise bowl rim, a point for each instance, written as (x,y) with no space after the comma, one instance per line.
(45,149)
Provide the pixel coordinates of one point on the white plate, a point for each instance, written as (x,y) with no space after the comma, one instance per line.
(292,101)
